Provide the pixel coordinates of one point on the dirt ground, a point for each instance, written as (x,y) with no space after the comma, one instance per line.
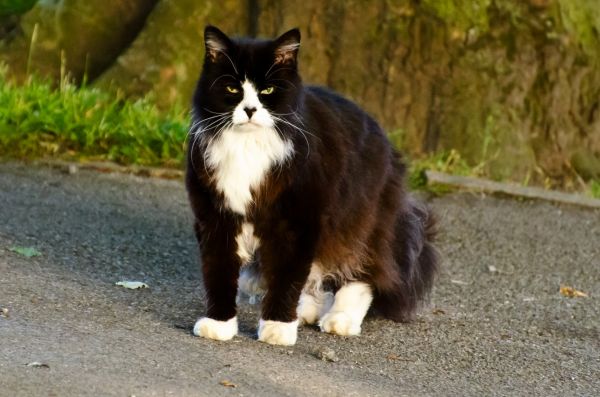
(496,323)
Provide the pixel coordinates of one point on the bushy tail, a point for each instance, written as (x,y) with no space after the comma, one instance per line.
(417,260)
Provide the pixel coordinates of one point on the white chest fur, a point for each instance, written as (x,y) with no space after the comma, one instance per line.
(240,159)
(247,242)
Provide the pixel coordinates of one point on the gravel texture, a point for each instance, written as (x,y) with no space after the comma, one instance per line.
(496,323)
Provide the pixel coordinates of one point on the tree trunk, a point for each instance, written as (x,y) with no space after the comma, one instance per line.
(513,85)
(81,37)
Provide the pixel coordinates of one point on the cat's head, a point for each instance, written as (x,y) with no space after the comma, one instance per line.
(247,83)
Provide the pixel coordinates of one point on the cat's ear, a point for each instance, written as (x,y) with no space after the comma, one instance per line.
(216,43)
(286,47)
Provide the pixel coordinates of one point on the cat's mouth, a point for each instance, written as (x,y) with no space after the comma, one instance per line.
(249,125)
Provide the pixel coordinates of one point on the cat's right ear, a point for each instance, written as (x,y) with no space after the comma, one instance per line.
(286,47)
(216,43)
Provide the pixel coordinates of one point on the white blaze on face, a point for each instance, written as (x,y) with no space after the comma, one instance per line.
(241,156)
(251,101)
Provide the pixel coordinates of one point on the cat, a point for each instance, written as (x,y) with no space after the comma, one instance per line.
(301,191)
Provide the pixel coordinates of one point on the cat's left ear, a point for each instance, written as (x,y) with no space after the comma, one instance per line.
(286,47)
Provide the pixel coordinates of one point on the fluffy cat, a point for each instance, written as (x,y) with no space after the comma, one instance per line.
(299,189)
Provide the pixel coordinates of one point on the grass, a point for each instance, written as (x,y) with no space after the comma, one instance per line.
(449,162)
(37,120)
(594,189)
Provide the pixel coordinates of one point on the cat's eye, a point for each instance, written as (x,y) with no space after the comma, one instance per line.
(232,89)
(268,90)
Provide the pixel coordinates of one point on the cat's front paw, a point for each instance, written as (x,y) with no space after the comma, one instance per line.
(339,323)
(215,329)
(278,332)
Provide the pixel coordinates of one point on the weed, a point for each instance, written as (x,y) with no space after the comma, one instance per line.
(67,122)
(78,123)
(595,189)
(449,162)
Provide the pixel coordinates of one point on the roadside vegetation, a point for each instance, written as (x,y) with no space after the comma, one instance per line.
(38,120)
(65,122)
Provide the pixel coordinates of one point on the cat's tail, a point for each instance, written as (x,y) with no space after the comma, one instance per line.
(417,262)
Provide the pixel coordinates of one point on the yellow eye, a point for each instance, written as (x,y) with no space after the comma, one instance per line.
(231,89)
(268,90)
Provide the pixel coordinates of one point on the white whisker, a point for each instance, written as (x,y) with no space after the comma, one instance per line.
(287,81)
(221,76)
(198,122)
(303,132)
(221,120)
(275,71)
(213,112)
(222,128)
(294,126)
(270,67)
(224,53)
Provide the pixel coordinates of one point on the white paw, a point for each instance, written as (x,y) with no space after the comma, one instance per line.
(351,304)
(310,308)
(215,329)
(277,332)
(339,323)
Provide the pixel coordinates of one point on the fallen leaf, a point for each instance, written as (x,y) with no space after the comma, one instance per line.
(571,292)
(4,312)
(37,364)
(438,311)
(227,383)
(132,284)
(25,251)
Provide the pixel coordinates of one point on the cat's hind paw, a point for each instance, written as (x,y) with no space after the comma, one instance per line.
(311,308)
(278,332)
(215,329)
(339,323)
(308,309)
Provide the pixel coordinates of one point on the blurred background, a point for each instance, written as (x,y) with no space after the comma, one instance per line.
(506,89)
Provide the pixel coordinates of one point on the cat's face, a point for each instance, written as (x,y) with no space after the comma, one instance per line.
(247,84)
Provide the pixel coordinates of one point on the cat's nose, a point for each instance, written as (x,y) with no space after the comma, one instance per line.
(249,112)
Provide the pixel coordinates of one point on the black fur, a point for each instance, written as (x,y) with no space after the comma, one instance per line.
(340,200)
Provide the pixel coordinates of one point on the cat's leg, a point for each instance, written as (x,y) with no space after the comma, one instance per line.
(314,301)
(220,268)
(350,306)
(286,259)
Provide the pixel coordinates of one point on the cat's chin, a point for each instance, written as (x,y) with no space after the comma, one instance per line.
(248,127)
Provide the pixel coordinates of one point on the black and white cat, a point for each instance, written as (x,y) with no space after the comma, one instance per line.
(300,190)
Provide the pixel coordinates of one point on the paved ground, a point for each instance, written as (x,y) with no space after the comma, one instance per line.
(507,332)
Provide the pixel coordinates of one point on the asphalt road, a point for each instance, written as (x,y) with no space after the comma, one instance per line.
(496,323)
